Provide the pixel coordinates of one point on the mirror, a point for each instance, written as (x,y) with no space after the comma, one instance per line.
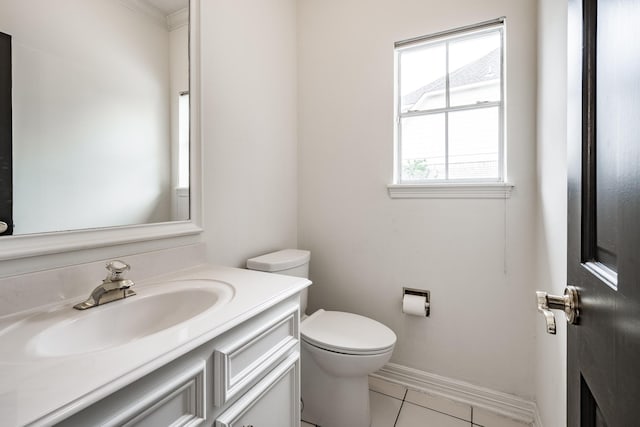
(100,113)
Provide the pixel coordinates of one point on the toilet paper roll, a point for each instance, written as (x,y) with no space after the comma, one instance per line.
(414,305)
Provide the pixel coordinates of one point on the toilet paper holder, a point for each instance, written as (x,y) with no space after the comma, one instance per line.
(419,292)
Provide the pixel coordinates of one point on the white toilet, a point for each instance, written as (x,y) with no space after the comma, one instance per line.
(339,351)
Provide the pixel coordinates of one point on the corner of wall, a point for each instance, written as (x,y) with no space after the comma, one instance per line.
(551,221)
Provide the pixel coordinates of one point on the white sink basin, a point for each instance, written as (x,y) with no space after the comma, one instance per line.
(64,331)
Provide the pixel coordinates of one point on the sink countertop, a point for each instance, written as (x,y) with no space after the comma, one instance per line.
(47,390)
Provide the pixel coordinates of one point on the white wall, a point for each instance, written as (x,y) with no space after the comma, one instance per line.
(249,127)
(552,208)
(91,147)
(476,256)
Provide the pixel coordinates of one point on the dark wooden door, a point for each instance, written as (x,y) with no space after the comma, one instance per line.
(6,175)
(603,377)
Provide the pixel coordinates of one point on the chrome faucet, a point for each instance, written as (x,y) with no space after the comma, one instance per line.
(114,287)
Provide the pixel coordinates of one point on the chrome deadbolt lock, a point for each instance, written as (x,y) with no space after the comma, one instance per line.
(569,303)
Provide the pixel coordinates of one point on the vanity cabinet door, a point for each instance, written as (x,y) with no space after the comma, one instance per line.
(174,399)
(248,356)
(273,402)
(177,405)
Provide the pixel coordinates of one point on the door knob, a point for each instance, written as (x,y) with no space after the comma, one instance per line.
(569,303)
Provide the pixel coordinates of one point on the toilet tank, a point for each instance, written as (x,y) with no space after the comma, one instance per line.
(291,262)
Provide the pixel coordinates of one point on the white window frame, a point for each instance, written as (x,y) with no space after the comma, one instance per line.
(458,187)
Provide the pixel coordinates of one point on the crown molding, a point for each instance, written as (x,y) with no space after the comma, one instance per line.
(178,19)
(151,12)
(171,22)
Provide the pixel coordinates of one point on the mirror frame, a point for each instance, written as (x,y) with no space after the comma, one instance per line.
(29,245)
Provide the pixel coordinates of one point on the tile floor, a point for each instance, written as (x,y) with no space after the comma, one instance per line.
(393,405)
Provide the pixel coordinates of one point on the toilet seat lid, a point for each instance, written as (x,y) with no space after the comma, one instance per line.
(347,333)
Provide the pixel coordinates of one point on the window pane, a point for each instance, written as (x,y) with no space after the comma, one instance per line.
(474,137)
(423,148)
(422,78)
(183,141)
(607,160)
(474,69)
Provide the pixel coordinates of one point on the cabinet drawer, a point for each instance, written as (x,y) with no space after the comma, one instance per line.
(242,361)
(273,402)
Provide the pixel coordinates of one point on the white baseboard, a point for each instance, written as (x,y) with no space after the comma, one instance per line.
(500,403)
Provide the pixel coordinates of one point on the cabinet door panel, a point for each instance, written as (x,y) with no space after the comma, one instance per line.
(273,402)
(246,359)
(177,401)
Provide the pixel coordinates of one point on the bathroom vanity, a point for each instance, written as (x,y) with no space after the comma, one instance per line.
(203,346)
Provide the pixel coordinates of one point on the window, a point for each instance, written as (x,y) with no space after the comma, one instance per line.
(450,107)
(183,140)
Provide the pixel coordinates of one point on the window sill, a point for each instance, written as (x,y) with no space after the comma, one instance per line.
(497,190)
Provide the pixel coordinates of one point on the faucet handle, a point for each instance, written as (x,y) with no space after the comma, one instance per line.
(116,269)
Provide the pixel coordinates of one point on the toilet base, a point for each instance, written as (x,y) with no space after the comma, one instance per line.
(332,401)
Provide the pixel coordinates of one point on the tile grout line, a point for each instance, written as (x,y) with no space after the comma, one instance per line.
(445,413)
(401,405)
(404,399)
(388,395)
(470,420)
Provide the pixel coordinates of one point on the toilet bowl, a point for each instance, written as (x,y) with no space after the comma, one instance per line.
(338,352)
